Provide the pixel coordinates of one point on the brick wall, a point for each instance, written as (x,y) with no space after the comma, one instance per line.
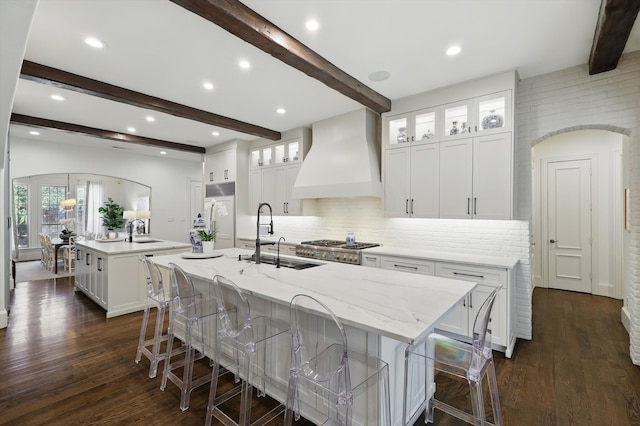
(569,100)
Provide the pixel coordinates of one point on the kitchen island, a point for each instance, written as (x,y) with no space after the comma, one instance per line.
(109,271)
(383,311)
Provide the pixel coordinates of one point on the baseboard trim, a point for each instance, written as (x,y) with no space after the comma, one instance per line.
(4,318)
(626,321)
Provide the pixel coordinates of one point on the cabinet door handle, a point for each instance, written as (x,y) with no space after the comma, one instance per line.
(469,275)
(100,264)
(464,302)
(471,301)
(86,259)
(412,206)
(210,176)
(468,202)
(406,206)
(77,254)
(475,203)
(413,268)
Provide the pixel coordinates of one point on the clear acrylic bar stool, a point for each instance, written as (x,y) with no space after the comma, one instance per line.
(470,361)
(326,375)
(248,346)
(155,298)
(191,320)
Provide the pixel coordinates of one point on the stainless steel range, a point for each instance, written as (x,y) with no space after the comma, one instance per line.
(333,251)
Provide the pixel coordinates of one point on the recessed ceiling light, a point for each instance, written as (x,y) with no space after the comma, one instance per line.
(150,119)
(379,75)
(281,110)
(453,50)
(245,65)
(163,152)
(312,25)
(215,133)
(94,42)
(57,98)
(131,129)
(33,132)
(208,85)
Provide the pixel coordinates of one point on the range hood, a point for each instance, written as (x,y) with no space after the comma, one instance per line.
(343,160)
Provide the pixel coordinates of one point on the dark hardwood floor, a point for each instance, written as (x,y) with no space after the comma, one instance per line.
(62,362)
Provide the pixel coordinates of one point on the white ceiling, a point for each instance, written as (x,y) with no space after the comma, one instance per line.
(158,48)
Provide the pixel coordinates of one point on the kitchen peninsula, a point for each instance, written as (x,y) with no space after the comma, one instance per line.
(109,271)
(382,310)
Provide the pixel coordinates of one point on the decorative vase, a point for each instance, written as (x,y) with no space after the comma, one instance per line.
(207,246)
(492,121)
(402,135)
(464,128)
(112,235)
(454,129)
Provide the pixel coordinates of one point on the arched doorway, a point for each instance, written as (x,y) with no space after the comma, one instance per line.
(577,222)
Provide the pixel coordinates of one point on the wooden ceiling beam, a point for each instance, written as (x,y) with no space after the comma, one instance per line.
(66,80)
(102,134)
(615,21)
(253,28)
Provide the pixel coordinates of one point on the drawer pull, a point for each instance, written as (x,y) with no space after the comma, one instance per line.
(469,275)
(370,258)
(413,268)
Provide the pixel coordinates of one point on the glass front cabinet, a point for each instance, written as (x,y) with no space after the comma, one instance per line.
(478,116)
(413,128)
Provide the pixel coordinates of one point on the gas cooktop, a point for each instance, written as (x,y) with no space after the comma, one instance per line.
(333,250)
(338,243)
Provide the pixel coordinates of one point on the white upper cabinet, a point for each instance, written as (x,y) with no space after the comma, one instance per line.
(453,159)
(221,166)
(476,177)
(478,116)
(412,181)
(273,169)
(412,128)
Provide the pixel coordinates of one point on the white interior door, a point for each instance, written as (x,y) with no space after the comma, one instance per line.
(196,200)
(568,227)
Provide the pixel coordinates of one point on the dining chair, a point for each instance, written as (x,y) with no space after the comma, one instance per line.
(247,345)
(469,361)
(329,382)
(69,255)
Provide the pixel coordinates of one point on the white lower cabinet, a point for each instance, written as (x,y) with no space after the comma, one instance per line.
(117,283)
(423,267)
(460,321)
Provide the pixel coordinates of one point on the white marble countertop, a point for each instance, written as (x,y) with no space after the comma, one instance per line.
(120,246)
(398,305)
(508,262)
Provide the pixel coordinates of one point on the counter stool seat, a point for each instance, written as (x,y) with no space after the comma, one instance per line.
(151,348)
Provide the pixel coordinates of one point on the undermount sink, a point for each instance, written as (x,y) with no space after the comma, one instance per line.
(146,240)
(287,262)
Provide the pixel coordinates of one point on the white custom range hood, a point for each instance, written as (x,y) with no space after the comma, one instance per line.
(344,158)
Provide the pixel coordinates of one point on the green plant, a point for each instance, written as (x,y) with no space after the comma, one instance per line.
(111,214)
(207,236)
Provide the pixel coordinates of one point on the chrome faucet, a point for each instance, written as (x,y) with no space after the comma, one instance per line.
(258,243)
(278,258)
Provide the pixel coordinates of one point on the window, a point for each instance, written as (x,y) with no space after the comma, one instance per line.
(52,212)
(21,206)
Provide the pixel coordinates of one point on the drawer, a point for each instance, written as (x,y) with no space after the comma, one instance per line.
(415,266)
(481,275)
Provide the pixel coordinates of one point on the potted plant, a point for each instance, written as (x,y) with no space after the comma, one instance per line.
(111,216)
(208,239)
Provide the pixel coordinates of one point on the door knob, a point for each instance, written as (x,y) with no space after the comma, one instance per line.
(552,241)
